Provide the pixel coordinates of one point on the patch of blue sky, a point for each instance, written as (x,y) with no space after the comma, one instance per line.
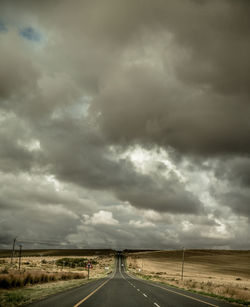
(81,107)
(30,34)
(76,110)
(3,27)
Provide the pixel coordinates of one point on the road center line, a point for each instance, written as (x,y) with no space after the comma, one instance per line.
(188,296)
(145,295)
(88,296)
(157,305)
(94,291)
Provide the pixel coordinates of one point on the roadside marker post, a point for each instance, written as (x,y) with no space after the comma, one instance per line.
(89,266)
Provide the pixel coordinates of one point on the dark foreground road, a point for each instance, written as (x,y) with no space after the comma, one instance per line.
(122,289)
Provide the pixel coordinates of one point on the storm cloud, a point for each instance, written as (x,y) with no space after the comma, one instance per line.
(132,113)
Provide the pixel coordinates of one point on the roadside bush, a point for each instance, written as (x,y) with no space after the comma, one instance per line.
(5,271)
(74,262)
(5,282)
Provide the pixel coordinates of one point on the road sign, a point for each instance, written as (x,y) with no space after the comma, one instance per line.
(89,265)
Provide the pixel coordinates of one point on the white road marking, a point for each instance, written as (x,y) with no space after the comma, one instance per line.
(157,305)
(167,289)
(138,289)
(145,295)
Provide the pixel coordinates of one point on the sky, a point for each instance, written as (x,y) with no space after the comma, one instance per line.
(125,124)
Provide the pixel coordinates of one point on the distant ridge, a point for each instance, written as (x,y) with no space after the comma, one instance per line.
(59,252)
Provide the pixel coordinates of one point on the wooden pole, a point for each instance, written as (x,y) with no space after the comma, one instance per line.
(13,251)
(20,256)
(183,259)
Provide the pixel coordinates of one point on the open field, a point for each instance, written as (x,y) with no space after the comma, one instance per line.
(218,272)
(62,270)
(56,264)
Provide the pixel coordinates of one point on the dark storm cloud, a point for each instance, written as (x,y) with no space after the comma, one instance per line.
(138,104)
(235,175)
(14,156)
(3,28)
(236,170)
(197,115)
(87,80)
(238,201)
(140,108)
(83,158)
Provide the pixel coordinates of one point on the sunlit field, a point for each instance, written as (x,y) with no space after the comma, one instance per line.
(223,273)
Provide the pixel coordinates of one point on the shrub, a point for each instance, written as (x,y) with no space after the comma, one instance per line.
(5,283)
(5,271)
(74,262)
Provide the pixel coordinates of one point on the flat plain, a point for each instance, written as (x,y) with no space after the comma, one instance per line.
(221,273)
(45,272)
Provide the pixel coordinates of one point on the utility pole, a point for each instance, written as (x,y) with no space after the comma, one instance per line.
(13,251)
(183,259)
(20,256)
(88,272)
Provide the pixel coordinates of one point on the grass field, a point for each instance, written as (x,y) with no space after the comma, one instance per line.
(44,272)
(25,295)
(218,272)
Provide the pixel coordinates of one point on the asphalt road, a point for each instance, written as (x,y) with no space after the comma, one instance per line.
(122,289)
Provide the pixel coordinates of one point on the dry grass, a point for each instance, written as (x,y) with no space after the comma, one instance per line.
(222,273)
(41,276)
(25,295)
(46,269)
(16,279)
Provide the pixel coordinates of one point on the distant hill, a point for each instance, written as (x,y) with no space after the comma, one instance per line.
(59,252)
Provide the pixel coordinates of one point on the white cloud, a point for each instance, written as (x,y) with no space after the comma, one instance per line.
(139,224)
(152,215)
(102,217)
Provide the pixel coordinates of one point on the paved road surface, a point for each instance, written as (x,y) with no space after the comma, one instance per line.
(125,290)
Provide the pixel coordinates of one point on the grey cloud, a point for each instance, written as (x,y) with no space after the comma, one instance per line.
(234,176)
(238,201)
(235,170)
(140,107)
(137,104)
(162,74)
(93,165)
(17,72)
(14,156)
